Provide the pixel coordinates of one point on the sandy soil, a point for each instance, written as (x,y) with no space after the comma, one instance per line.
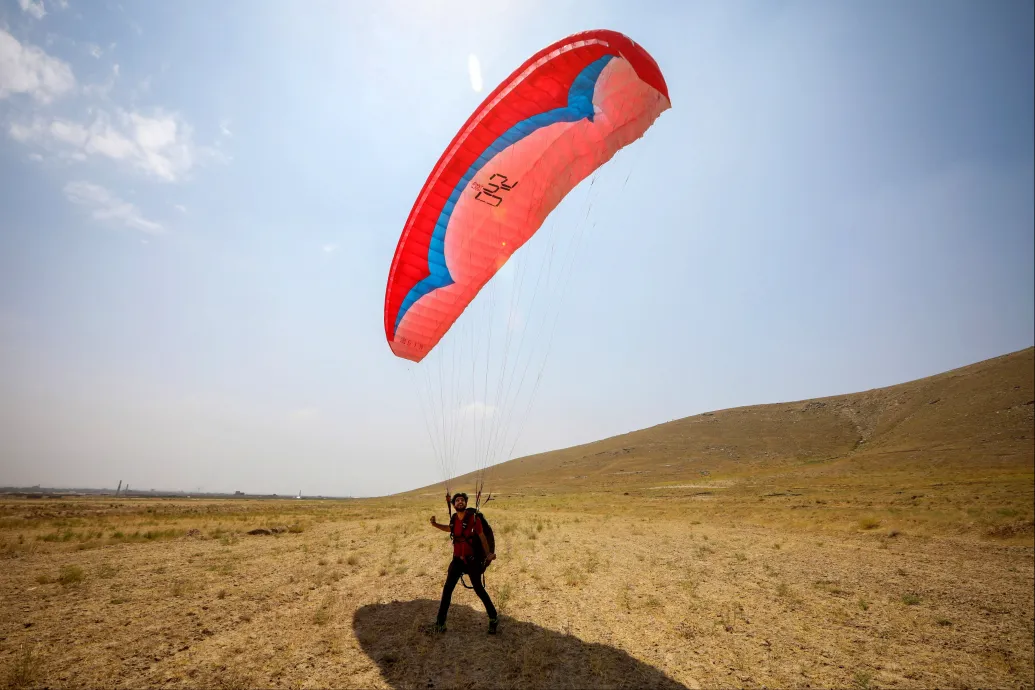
(595,597)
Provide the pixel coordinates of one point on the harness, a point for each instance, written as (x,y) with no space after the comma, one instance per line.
(468,515)
(470,539)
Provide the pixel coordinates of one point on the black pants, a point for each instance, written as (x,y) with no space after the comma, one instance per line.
(457,568)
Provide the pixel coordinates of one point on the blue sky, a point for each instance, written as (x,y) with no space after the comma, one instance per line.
(199,203)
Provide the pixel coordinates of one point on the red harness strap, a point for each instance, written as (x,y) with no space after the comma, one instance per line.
(462,532)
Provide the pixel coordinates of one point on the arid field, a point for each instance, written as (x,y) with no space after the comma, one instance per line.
(883,539)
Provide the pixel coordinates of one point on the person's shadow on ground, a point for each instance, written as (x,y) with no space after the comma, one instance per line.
(398,638)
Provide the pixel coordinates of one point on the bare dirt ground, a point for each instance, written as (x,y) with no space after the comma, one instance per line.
(594,591)
(879,539)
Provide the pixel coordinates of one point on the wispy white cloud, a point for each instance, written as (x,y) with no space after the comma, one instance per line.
(474,71)
(180,207)
(106,206)
(29,70)
(329,248)
(94,50)
(33,7)
(224,127)
(159,144)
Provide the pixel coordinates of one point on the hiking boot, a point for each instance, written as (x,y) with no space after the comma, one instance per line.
(493,623)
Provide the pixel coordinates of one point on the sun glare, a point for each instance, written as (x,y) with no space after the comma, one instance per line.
(474,69)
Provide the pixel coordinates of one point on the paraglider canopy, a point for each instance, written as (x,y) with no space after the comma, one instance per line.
(557,118)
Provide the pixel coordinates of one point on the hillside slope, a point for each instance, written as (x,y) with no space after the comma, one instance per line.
(978,418)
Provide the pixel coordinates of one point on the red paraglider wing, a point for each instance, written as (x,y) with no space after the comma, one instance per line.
(560,116)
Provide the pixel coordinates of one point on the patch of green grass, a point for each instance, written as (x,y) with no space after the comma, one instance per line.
(862,680)
(829,586)
(573,577)
(223,567)
(625,598)
(503,597)
(689,584)
(106,571)
(70,576)
(868,523)
(910,599)
(26,669)
(863,604)
(323,614)
(138,536)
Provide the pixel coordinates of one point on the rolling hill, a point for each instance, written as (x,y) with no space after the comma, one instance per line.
(975,420)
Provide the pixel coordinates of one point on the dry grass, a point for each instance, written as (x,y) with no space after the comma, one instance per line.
(942,455)
(70,576)
(25,668)
(905,560)
(700,600)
